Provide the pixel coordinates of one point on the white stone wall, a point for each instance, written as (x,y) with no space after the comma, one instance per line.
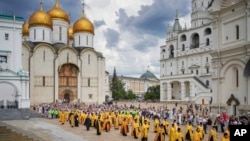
(57,24)
(40,34)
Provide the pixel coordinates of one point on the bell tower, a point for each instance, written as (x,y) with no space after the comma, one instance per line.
(200,14)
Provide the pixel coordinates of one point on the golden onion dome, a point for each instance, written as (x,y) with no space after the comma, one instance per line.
(83,25)
(40,18)
(57,13)
(70,33)
(25,30)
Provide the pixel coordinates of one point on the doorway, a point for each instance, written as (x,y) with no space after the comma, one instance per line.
(66,98)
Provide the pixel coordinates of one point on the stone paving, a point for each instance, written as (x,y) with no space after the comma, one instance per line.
(43,129)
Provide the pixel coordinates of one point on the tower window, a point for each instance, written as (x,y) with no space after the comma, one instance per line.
(43,35)
(207,42)
(60,33)
(237,32)
(87,40)
(207,70)
(34,34)
(6,35)
(79,39)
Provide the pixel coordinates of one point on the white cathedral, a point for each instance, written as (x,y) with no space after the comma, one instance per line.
(209,63)
(61,60)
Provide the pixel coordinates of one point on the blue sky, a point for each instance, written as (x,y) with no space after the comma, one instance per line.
(129,33)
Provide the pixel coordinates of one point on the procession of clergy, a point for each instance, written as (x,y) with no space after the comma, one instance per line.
(123,120)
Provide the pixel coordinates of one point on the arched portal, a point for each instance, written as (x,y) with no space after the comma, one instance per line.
(8,95)
(68,82)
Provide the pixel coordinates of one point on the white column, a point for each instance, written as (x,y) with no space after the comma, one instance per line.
(169,91)
(183,90)
(162,92)
(56,78)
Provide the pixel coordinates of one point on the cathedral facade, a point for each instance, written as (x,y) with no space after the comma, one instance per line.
(61,59)
(209,63)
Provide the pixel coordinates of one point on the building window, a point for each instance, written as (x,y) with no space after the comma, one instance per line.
(88,82)
(3,59)
(90,96)
(171,73)
(237,32)
(43,80)
(207,70)
(162,65)
(207,83)
(60,33)
(197,72)
(34,34)
(43,35)
(87,40)
(192,71)
(44,56)
(182,71)
(88,58)
(183,47)
(6,35)
(79,39)
(237,77)
(207,59)
(207,42)
(171,64)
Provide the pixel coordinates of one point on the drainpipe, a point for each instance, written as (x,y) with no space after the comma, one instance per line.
(219,66)
(31,54)
(246,43)
(54,63)
(80,77)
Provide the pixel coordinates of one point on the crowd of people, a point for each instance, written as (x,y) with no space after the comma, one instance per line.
(176,124)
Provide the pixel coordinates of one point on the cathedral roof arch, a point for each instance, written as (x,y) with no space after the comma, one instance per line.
(60,66)
(44,45)
(230,63)
(89,49)
(67,47)
(25,44)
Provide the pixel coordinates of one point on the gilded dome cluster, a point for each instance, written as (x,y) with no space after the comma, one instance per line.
(42,18)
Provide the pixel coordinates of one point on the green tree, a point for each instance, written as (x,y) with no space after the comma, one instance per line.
(117,87)
(130,95)
(153,93)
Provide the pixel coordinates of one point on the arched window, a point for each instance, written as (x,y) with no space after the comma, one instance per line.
(237,77)
(207,42)
(208,31)
(237,28)
(183,38)
(171,51)
(195,41)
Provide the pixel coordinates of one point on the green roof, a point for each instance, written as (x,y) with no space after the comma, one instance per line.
(11,17)
(149,75)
